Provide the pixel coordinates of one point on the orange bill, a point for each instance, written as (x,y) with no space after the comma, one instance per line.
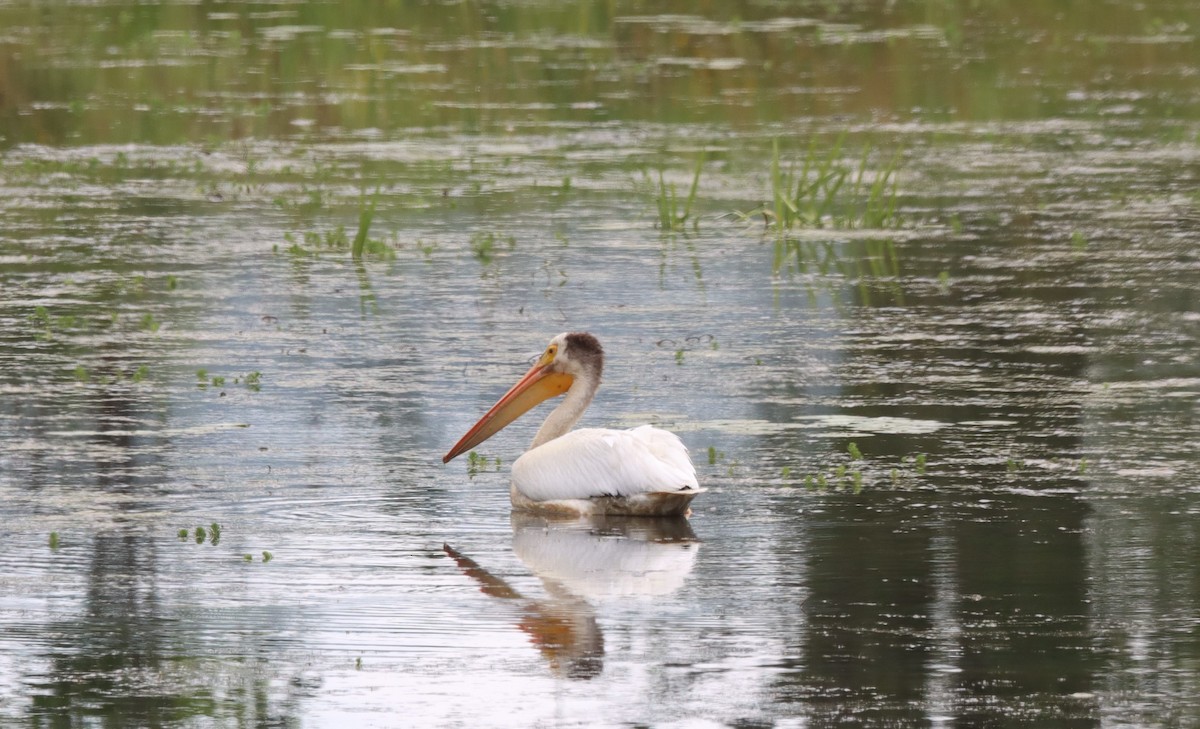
(538,384)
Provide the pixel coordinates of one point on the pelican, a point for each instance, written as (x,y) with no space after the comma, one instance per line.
(643,472)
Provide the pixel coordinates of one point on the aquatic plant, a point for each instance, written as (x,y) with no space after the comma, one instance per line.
(484,243)
(426,249)
(149,323)
(313,242)
(826,192)
(366,214)
(859,472)
(673,214)
(54,540)
(477,463)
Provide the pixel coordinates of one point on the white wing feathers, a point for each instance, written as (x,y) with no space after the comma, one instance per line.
(593,462)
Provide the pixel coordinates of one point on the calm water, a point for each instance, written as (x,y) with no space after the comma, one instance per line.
(951,458)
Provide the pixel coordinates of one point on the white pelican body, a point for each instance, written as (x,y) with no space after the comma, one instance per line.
(644,471)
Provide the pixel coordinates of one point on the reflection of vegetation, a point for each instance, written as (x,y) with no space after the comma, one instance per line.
(855,259)
(871,265)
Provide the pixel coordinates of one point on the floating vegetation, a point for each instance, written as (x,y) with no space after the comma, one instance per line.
(426,249)
(200,534)
(54,541)
(267,556)
(252,381)
(854,475)
(672,213)
(484,245)
(714,455)
(944,282)
(477,464)
(148,323)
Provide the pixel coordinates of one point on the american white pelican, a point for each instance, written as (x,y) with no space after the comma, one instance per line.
(644,471)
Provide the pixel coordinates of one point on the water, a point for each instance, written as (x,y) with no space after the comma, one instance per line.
(186,340)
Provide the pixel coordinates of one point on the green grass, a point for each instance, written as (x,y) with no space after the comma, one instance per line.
(826,191)
(366,214)
(313,242)
(674,213)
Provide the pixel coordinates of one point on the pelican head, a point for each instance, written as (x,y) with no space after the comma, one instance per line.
(568,358)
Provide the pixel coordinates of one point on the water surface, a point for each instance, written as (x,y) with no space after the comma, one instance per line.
(950,461)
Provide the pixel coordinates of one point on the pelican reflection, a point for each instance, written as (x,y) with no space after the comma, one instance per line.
(580,562)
